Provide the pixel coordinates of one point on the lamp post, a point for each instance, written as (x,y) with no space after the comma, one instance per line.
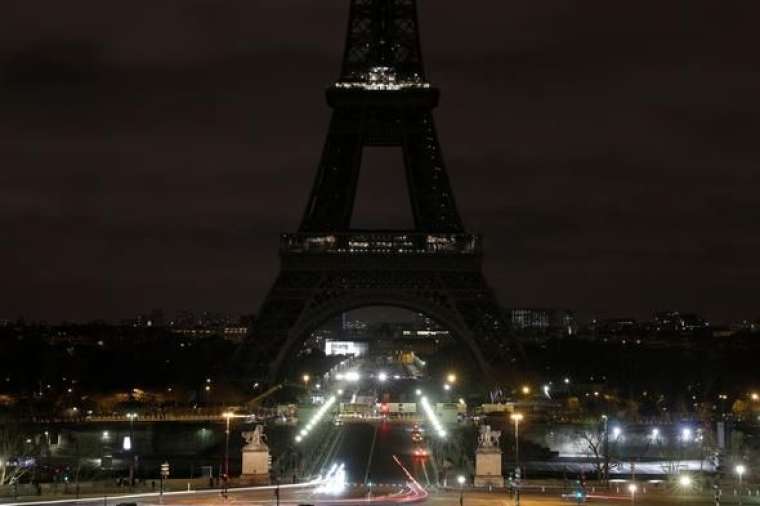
(461,480)
(740,470)
(606,444)
(227,416)
(133,461)
(632,488)
(517,418)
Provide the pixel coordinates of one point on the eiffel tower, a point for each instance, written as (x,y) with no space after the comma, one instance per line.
(382,98)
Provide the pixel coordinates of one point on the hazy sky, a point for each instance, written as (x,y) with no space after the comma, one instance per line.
(151,152)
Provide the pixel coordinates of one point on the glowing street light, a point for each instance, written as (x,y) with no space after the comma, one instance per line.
(315,419)
(447,387)
(382,377)
(684,481)
(451,378)
(632,488)
(428,409)
(461,480)
(740,470)
(517,418)
(686,434)
(655,434)
(306,378)
(617,432)
(227,416)
(755,396)
(526,390)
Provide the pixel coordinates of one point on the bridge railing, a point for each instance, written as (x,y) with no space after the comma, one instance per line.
(383,243)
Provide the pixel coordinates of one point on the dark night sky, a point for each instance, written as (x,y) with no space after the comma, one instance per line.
(151,152)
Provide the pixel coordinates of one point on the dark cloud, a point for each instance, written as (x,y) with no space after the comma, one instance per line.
(153,152)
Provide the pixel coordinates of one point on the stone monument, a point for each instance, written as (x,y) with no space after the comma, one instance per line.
(488,459)
(256,456)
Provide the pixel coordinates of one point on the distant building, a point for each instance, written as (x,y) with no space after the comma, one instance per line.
(674,322)
(543,322)
(341,347)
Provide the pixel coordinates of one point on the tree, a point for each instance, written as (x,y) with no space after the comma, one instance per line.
(591,442)
(12,462)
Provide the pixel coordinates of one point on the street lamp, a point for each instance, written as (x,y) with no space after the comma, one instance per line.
(382,376)
(451,378)
(740,470)
(461,481)
(517,418)
(606,442)
(526,390)
(228,415)
(684,481)
(632,488)
(131,447)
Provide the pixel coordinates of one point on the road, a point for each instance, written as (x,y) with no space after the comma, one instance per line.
(294,497)
(368,451)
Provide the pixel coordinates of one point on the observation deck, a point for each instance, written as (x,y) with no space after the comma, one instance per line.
(381,243)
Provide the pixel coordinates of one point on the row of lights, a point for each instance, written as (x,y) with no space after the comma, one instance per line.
(432,417)
(316,418)
(687,435)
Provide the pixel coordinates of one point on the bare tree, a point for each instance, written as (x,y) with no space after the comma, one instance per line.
(592,441)
(11,454)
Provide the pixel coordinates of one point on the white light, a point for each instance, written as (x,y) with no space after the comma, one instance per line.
(567,381)
(432,417)
(616,432)
(686,434)
(353,376)
(126,443)
(418,392)
(105,434)
(460,479)
(447,387)
(334,482)
(740,469)
(546,391)
(339,377)
(382,377)
(655,433)
(684,481)
(632,488)
(315,419)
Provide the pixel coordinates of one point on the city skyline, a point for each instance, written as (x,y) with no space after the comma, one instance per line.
(149,161)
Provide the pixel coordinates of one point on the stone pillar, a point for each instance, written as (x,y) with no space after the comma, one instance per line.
(255,457)
(488,467)
(256,465)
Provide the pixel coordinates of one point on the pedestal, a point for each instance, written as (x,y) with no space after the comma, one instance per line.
(488,468)
(256,466)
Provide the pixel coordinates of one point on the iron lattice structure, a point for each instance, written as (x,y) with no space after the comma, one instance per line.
(382,98)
